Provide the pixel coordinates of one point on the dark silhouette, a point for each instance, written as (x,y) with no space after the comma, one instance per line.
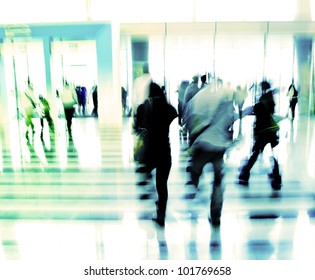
(191,90)
(155,115)
(204,83)
(69,99)
(181,95)
(293,95)
(95,102)
(45,115)
(124,101)
(265,132)
(82,99)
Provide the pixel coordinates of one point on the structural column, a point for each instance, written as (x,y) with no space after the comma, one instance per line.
(109,93)
(304,50)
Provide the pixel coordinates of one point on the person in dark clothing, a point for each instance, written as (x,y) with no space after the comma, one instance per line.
(293,95)
(95,102)
(45,115)
(124,101)
(69,100)
(181,93)
(81,93)
(156,115)
(265,132)
(204,83)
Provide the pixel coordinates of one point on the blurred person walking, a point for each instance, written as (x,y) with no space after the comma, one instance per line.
(140,91)
(69,100)
(265,132)
(95,102)
(45,107)
(155,116)
(293,99)
(210,117)
(141,87)
(191,91)
(181,94)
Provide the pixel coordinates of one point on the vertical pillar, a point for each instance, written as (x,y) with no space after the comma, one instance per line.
(4,114)
(51,96)
(108,84)
(303,47)
(47,57)
(3,95)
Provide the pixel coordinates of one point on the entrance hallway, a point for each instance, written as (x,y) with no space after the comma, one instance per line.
(81,201)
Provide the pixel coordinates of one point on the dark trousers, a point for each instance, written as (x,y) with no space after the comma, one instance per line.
(199,159)
(69,116)
(292,108)
(163,166)
(260,143)
(49,120)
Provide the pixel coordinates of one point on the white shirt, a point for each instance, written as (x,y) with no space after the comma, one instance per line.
(140,90)
(214,107)
(68,97)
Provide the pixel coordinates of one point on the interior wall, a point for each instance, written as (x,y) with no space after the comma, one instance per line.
(238,53)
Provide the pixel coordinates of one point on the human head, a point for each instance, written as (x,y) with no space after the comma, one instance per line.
(155,90)
(264,86)
(203,78)
(195,79)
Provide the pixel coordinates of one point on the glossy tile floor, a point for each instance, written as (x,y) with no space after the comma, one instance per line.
(81,201)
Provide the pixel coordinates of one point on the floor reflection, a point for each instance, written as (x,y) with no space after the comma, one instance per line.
(79,199)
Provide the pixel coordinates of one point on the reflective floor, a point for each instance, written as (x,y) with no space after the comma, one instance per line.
(80,200)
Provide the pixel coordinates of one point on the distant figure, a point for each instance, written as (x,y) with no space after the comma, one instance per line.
(124,101)
(82,99)
(140,90)
(95,102)
(293,99)
(181,95)
(265,132)
(191,90)
(29,104)
(155,115)
(69,99)
(204,83)
(45,115)
(210,117)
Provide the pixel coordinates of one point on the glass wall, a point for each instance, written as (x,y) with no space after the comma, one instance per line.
(23,62)
(239,59)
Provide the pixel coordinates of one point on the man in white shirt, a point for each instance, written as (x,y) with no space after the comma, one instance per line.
(209,117)
(69,99)
(140,89)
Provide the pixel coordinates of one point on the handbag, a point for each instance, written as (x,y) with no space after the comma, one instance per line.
(143,126)
(141,146)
